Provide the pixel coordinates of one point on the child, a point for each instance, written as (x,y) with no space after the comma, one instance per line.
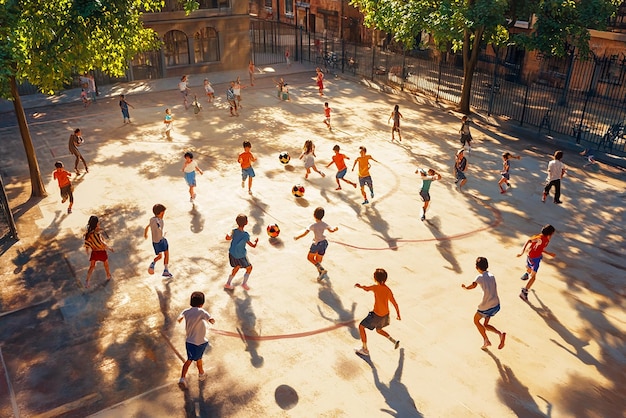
(124,106)
(282,89)
(65,185)
(85,98)
(460,165)
(308,156)
(237,252)
(189,168)
(167,123)
(184,90)
(288,58)
(94,242)
(159,243)
(319,80)
(231,99)
(76,140)
(338,160)
(246,159)
(506,166)
(556,171)
(466,136)
(396,115)
(237,90)
(251,72)
(327,116)
(538,243)
(195,330)
(379,317)
(364,173)
(210,92)
(318,248)
(427,179)
(489,306)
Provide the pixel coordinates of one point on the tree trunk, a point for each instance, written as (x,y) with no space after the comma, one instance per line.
(37,187)
(470,59)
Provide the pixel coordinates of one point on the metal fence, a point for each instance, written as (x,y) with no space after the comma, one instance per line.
(588,103)
(7,224)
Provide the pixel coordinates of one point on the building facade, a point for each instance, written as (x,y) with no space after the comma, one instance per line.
(213,38)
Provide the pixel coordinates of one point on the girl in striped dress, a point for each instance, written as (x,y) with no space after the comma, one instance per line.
(94,243)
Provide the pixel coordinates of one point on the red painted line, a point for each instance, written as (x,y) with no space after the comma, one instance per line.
(280,337)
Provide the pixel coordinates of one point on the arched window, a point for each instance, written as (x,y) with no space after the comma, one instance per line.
(176,48)
(206,45)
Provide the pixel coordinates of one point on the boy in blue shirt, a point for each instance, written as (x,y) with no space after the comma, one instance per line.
(237,252)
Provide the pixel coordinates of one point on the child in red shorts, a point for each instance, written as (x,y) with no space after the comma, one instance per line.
(94,243)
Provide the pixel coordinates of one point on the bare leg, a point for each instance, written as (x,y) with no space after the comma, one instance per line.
(481,330)
(106,269)
(363,336)
(92,266)
(199,365)
(185,368)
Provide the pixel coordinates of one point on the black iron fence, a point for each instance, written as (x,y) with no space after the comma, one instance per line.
(588,103)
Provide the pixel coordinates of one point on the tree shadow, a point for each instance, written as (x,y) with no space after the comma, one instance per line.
(327,295)
(23,208)
(396,393)
(444,244)
(514,394)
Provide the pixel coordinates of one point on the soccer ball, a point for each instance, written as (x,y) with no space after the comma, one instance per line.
(273,230)
(297,191)
(284,157)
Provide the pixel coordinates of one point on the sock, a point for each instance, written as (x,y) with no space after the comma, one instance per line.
(230,279)
(245,278)
(391,339)
(165,267)
(318,266)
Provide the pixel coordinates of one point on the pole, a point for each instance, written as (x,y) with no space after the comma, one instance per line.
(589,92)
(9,215)
(521,123)
(494,81)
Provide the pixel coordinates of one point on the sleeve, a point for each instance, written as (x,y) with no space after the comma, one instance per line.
(182,315)
(206,315)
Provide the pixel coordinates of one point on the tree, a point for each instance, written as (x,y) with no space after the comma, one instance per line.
(46,41)
(464,25)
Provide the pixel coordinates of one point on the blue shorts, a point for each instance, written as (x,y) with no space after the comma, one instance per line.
(195,352)
(161,246)
(372,321)
(460,176)
(489,312)
(190,178)
(247,172)
(367,180)
(425,196)
(506,175)
(341,173)
(319,248)
(533,263)
(238,262)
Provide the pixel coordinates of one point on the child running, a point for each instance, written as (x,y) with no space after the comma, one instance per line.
(308,156)
(506,166)
(460,165)
(246,159)
(195,330)
(556,171)
(427,178)
(396,116)
(167,123)
(183,87)
(379,317)
(466,136)
(237,252)
(159,243)
(489,306)
(189,168)
(62,176)
(124,107)
(210,91)
(319,80)
(95,243)
(338,160)
(364,173)
(537,243)
(320,244)
(327,116)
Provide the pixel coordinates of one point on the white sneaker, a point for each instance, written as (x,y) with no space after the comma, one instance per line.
(362,351)
(182,383)
(202,377)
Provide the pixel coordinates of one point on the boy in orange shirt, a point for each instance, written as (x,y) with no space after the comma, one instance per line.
(246,159)
(379,317)
(63,177)
(338,160)
(327,116)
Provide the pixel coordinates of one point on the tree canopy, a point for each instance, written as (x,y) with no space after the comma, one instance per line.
(463,25)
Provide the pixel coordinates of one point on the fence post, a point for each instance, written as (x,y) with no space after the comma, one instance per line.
(589,92)
(439,77)
(403,68)
(521,123)
(568,76)
(493,82)
(373,59)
